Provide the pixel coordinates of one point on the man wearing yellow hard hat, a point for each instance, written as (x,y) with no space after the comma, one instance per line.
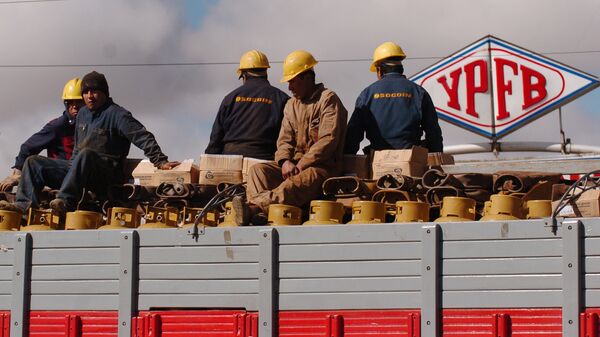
(393,112)
(309,147)
(249,117)
(56,137)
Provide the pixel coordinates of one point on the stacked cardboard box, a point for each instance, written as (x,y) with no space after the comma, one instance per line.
(248,163)
(439,158)
(220,168)
(585,206)
(410,162)
(146,174)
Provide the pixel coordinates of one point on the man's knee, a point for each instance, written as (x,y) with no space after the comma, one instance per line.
(35,160)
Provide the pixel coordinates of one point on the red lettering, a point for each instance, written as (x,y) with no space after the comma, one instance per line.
(529,87)
(472,89)
(452,91)
(503,87)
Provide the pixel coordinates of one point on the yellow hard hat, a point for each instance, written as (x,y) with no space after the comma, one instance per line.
(72,90)
(296,63)
(253,59)
(386,50)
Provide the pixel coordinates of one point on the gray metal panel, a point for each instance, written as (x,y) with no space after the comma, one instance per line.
(75,256)
(349,269)
(74,302)
(592,298)
(268,288)
(502,299)
(493,230)
(335,285)
(19,310)
(199,254)
(6,287)
(198,286)
(7,239)
(211,236)
(198,271)
(503,282)
(431,272)
(75,287)
(6,273)
(6,256)
(592,281)
(369,300)
(503,266)
(349,252)
(592,264)
(349,233)
(75,272)
(128,280)
(248,302)
(75,239)
(592,226)
(502,248)
(592,246)
(572,285)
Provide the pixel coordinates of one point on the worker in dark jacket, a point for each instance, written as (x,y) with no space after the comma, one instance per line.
(104,132)
(394,112)
(249,118)
(56,137)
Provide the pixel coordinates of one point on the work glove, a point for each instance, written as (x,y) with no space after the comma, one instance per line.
(10,181)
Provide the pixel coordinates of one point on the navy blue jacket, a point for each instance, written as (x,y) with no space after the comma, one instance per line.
(110,131)
(394,112)
(249,120)
(57,137)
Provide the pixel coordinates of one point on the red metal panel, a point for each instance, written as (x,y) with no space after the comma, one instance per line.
(589,323)
(502,322)
(5,324)
(179,323)
(73,324)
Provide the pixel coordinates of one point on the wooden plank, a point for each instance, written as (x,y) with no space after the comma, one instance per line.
(349,269)
(75,272)
(66,256)
(198,287)
(74,302)
(210,301)
(75,287)
(543,265)
(356,284)
(502,299)
(357,301)
(502,248)
(350,252)
(200,254)
(199,271)
(551,165)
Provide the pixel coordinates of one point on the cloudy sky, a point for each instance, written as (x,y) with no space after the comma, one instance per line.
(45,43)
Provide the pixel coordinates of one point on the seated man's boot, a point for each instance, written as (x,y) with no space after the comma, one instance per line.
(59,206)
(9,206)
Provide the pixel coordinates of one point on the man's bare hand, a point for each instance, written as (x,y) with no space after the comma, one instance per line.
(168,165)
(10,181)
(289,169)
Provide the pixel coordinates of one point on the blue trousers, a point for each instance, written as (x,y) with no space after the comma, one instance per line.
(87,170)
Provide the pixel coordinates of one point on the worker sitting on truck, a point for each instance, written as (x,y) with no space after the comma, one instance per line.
(57,137)
(309,147)
(104,132)
(249,118)
(393,111)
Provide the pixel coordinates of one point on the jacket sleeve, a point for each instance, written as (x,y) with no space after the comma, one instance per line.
(136,133)
(36,143)
(215,144)
(286,142)
(331,132)
(431,126)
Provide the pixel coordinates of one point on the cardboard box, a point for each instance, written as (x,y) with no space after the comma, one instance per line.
(143,173)
(439,158)
(411,162)
(587,205)
(356,165)
(208,177)
(184,173)
(248,163)
(221,162)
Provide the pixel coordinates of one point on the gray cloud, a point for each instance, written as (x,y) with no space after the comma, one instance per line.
(178,103)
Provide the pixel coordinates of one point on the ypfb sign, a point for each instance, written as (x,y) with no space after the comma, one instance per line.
(492,87)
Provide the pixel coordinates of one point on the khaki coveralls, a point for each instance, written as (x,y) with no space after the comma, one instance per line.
(312,135)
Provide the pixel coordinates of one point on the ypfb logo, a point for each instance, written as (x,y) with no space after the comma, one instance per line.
(492,87)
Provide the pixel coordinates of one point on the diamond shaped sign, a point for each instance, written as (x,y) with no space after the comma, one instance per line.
(493,87)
